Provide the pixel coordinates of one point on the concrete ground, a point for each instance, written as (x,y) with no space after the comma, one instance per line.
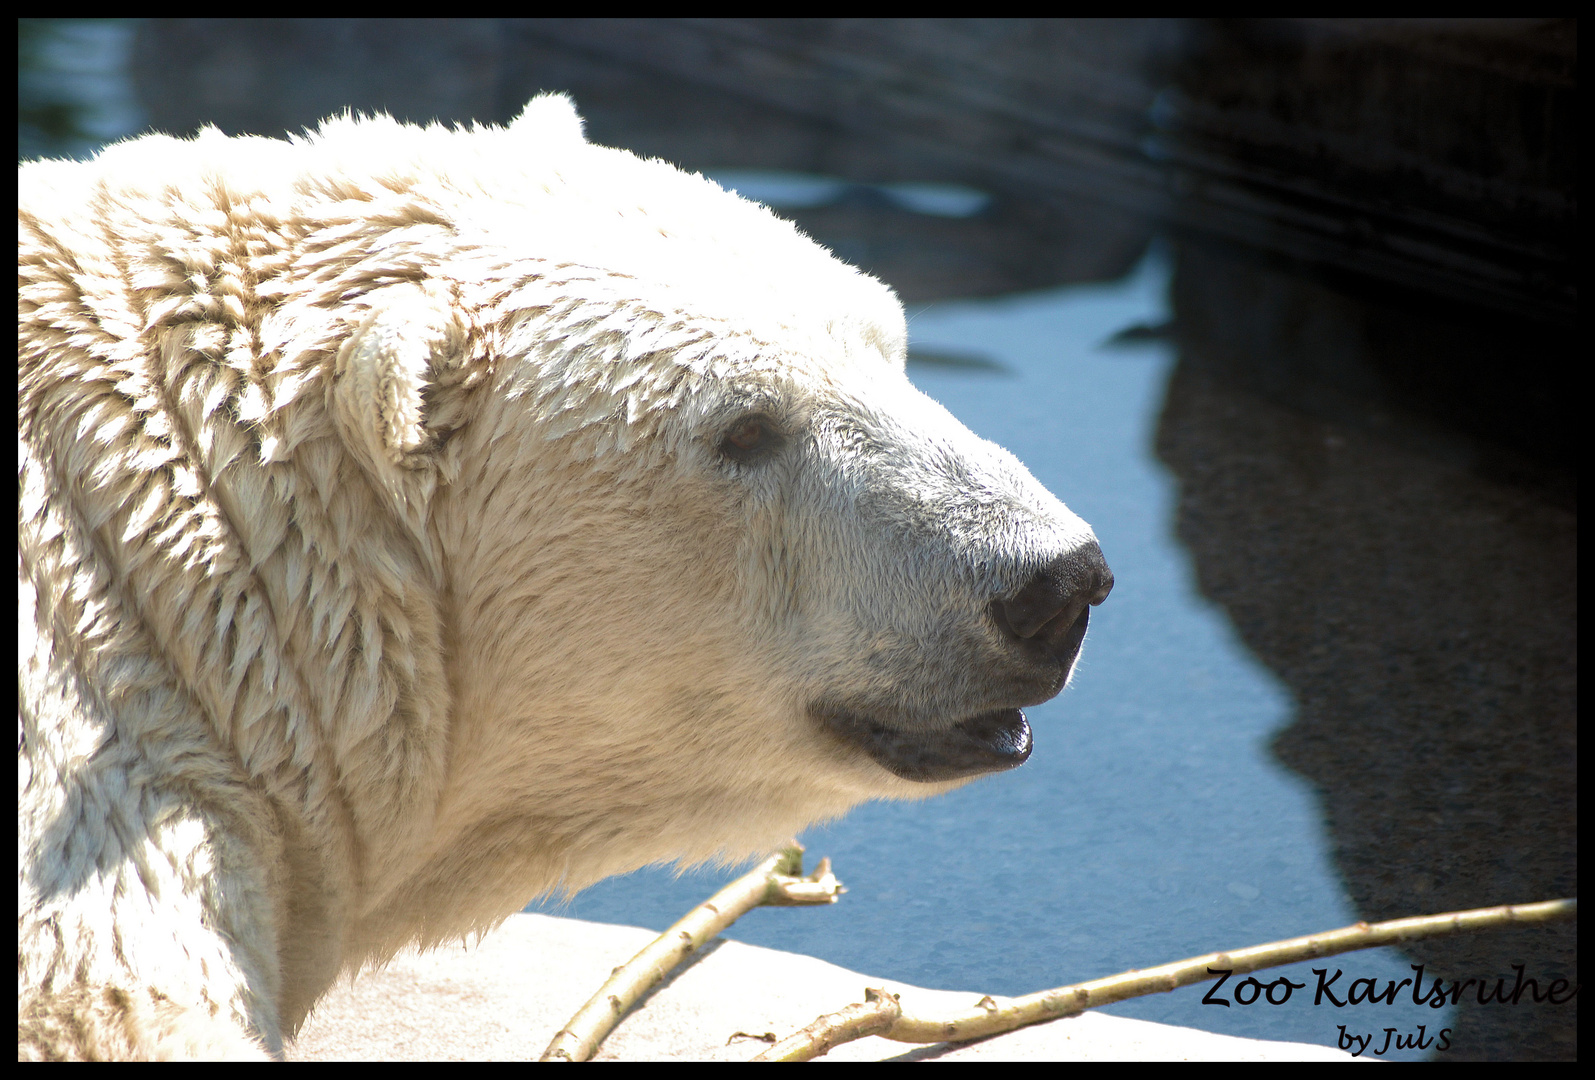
(505,998)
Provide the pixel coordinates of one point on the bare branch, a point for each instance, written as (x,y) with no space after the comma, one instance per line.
(992,1016)
(776,882)
(875,1016)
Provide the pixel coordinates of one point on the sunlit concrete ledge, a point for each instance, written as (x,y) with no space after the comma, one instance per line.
(505,998)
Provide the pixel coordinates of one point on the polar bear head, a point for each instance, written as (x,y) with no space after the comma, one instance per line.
(713,567)
(431,518)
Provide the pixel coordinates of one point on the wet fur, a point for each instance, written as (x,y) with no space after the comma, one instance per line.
(379,569)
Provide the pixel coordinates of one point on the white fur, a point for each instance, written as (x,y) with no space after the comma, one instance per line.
(379,568)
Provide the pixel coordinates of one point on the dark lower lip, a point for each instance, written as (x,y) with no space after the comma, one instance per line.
(985,743)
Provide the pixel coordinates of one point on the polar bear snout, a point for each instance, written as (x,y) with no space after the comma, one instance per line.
(979,727)
(1050,611)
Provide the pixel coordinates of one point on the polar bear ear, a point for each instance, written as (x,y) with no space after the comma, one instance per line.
(550,118)
(400,380)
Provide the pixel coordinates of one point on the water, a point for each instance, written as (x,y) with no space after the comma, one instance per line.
(75,92)
(787,191)
(1151,823)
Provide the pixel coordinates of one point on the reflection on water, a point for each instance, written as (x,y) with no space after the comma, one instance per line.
(1414,587)
(805,191)
(926,360)
(73,88)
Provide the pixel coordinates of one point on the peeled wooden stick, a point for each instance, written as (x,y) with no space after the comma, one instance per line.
(776,882)
(882,1014)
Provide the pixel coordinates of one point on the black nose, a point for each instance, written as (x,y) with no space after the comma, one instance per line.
(1051,608)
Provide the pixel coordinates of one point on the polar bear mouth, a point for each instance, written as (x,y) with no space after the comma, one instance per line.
(984,743)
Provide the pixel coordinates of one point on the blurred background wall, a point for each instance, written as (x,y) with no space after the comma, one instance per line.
(1425,165)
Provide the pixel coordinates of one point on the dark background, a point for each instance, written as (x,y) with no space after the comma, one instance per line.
(1372,415)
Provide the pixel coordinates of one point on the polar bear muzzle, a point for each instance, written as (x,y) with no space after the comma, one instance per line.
(1044,622)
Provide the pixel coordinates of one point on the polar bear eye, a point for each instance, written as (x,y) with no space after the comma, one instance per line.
(750,438)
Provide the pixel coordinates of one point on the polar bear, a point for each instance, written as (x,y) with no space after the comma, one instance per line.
(413,521)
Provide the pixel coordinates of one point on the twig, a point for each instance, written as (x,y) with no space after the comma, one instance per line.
(880,1010)
(993,1016)
(776,882)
